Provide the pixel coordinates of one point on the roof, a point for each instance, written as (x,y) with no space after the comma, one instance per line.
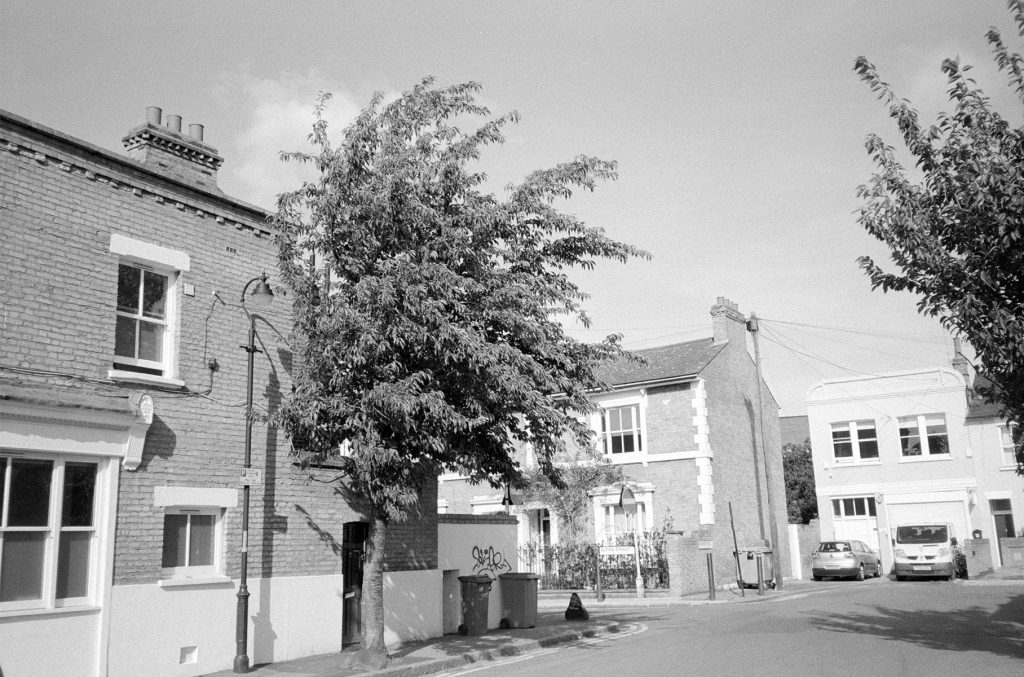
(127,164)
(664,363)
(979,406)
(794,429)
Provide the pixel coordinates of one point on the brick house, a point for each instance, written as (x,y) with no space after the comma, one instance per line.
(684,428)
(914,446)
(122,426)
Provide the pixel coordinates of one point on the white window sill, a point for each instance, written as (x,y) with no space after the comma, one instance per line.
(183,582)
(856,464)
(14,613)
(145,379)
(926,459)
(632,457)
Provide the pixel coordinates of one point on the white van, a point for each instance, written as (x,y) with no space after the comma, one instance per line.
(923,550)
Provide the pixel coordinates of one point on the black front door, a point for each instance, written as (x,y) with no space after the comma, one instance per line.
(352,548)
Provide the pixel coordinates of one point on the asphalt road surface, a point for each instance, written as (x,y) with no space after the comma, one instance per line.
(876,627)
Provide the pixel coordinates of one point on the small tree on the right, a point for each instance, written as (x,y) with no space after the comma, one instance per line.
(956,235)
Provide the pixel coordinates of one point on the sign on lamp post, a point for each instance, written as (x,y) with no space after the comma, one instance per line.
(627,501)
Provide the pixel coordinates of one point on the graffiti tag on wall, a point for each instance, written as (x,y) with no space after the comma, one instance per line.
(490,561)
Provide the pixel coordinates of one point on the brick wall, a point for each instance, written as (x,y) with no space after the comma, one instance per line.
(670,427)
(60,200)
(738,467)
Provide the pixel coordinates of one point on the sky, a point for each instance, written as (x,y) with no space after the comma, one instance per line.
(738,128)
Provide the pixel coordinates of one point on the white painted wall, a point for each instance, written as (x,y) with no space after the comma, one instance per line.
(50,644)
(412,605)
(893,479)
(152,626)
(474,549)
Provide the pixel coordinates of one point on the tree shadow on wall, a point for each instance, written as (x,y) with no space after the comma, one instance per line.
(969,629)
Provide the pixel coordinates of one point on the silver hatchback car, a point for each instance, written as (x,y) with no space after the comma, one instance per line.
(846,559)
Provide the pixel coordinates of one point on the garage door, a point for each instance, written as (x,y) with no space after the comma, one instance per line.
(940,512)
(859,529)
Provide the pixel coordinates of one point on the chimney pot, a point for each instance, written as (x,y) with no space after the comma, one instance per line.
(154,115)
(174,123)
(195,131)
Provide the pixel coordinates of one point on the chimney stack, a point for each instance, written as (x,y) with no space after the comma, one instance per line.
(168,151)
(960,363)
(728,322)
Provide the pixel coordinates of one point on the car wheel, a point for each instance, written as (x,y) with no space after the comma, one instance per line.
(900,578)
(878,568)
(860,573)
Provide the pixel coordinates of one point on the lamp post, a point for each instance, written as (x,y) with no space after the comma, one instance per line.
(261,297)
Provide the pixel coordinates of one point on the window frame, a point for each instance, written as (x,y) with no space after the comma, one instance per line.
(1008,456)
(921,424)
(136,364)
(163,261)
(203,571)
(54,529)
(602,433)
(606,500)
(868,504)
(856,441)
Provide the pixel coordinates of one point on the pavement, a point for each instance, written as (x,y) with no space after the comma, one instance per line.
(451,652)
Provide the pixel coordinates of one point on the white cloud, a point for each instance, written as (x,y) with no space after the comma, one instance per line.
(277,115)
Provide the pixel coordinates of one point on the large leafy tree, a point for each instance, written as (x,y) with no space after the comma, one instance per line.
(798,471)
(428,310)
(956,234)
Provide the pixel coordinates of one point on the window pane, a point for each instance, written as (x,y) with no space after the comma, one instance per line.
(73,564)
(910,442)
(21,568)
(869,449)
(128,279)
(153,295)
(841,446)
(858,506)
(616,444)
(1002,504)
(627,444)
(615,420)
(836,510)
(871,506)
(79,491)
(175,527)
(124,337)
(151,341)
(935,428)
(848,506)
(30,493)
(200,548)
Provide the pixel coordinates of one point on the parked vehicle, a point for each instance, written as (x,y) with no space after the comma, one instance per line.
(845,559)
(923,550)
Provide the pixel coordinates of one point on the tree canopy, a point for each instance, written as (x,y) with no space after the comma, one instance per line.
(798,471)
(956,235)
(428,310)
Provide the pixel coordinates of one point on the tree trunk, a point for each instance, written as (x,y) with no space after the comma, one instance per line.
(372,652)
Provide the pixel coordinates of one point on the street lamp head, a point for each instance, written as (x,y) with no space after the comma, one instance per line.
(262,295)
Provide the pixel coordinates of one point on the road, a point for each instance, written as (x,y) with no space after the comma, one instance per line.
(876,627)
